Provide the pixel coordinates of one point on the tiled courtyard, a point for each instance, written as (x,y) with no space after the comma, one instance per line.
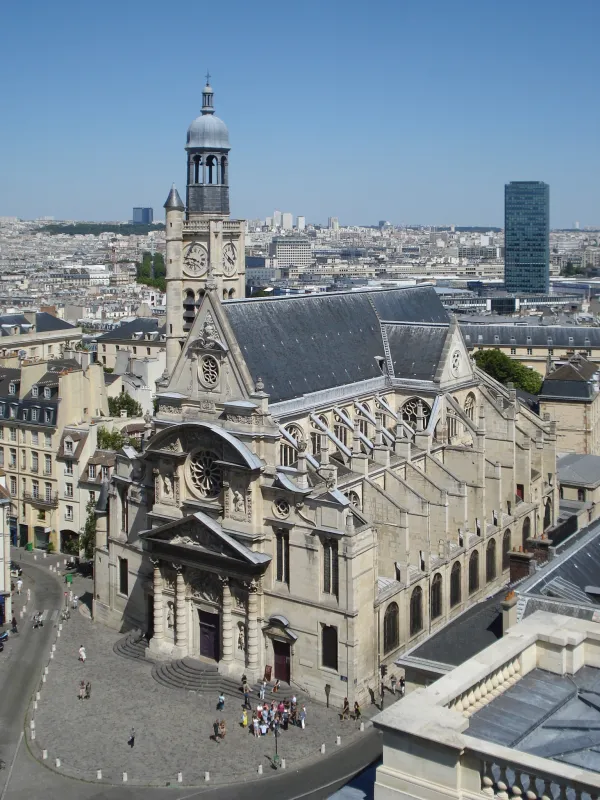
(173,727)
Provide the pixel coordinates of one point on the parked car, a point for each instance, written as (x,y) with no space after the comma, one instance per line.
(15,570)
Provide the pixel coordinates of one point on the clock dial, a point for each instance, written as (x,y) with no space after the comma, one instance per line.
(229,259)
(195,259)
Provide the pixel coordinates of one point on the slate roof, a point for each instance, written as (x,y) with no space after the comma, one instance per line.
(581,470)
(128,330)
(531,335)
(79,439)
(300,345)
(573,380)
(44,323)
(416,349)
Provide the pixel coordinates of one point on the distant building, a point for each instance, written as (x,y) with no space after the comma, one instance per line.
(291,251)
(333,223)
(301,223)
(143,216)
(527,236)
(277,215)
(287,221)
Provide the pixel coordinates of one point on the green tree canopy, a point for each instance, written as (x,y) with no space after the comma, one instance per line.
(87,537)
(124,402)
(505,369)
(113,440)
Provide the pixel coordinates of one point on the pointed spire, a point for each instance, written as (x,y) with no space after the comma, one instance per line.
(207,97)
(174,202)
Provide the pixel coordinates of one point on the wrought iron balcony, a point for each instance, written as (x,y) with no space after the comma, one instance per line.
(43,500)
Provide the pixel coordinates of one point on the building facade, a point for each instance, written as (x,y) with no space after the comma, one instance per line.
(527,236)
(292,251)
(143,216)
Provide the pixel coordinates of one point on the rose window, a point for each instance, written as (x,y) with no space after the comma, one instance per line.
(210,370)
(205,473)
(281,507)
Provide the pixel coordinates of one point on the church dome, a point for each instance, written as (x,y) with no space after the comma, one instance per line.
(209,132)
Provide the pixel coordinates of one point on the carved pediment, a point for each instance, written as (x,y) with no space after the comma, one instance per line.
(208,339)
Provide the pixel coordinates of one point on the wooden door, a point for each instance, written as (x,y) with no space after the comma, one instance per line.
(282,660)
(209,635)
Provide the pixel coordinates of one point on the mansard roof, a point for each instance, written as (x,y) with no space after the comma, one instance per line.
(531,335)
(300,345)
(416,350)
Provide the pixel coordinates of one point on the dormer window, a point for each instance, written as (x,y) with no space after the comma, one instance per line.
(48,415)
(571,340)
(496,338)
(12,388)
(68,445)
(529,340)
(92,471)
(35,391)
(47,392)
(13,412)
(550,340)
(35,414)
(25,414)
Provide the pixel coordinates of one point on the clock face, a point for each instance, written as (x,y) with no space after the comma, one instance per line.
(195,259)
(229,259)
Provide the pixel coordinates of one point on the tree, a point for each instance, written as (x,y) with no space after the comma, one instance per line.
(504,369)
(87,537)
(124,402)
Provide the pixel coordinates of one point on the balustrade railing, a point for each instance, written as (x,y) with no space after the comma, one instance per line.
(513,781)
(488,688)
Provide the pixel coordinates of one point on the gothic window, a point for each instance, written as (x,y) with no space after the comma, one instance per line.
(363,423)
(209,367)
(287,452)
(330,567)
(474,572)
(490,561)
(391,628)
(354,499)
(470,406)
(452,422)
(283,557)
(505,550)
(526,531)
(409,412)
(455,588)
(316,435)
(206,474)
(340,431)
(416,611)
(329,647)
(436,596)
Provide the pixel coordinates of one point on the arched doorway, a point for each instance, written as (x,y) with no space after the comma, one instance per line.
(455,577)
(547,515)
(474,572)
(490,561)
(391,628)
(526,531)
(436,596)
(416,611)
(505,550)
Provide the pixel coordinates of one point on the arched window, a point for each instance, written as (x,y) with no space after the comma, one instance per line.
(490,561)
(223,170)
(316,435)
(470,406)
(354,499)
(287,452)
(231,294)
(391,628)
(436,596)
(224,294)
(416,611)
(452,423)
(505,550)
(212,170)
(455,588)
(363,422)
(474,572)
(329,647)
(526,531)
(410,410)
(547,514)
(340,430)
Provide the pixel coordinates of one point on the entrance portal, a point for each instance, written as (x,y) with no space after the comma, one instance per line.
(209,635)
(281,651)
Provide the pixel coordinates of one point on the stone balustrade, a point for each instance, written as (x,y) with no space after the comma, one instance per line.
(488,688)
(514,781)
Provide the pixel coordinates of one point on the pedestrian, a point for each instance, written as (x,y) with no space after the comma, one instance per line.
(222,729)
(246,695)
(216,730)
(81,692)
(393,684)
(14,624)
(346,709)
(263,728)
(255,726)
(88,690)
(262,690)
(303,717)
(357,712)
(276,687)
(244,720)
(75,602)
(402,686)
(131,740)
(221,702)
(82,655)
(19,586)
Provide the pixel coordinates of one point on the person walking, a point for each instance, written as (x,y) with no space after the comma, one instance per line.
(222,730)
(88,690)
(81,692)
(276,687)
(402,686)
(216,731)
(255,726)
(14,624)
(346,709)
(75,602)
(303,717)
(221,702)
(131,740)
(82,655)
(393,684)
(262,690)
(19,586)
(246,689)
(357,711)
(244,720)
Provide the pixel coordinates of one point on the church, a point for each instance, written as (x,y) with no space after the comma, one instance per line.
(328,480)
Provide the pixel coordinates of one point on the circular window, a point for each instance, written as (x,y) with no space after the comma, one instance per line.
(209,371)
(281,507)
(205,473)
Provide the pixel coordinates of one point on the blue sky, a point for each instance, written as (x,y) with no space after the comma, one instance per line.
(415,111)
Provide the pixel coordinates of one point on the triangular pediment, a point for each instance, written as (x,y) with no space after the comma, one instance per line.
(455,364)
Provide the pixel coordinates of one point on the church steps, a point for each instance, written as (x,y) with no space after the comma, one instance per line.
(133,646)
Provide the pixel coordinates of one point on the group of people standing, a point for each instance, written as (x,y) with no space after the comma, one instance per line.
(275,717)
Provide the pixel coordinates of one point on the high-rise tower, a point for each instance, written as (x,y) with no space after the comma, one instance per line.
(205,249)
(527,236)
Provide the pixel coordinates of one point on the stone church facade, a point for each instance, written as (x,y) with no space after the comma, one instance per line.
(329,480)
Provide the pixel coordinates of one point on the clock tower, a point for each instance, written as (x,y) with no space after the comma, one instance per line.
(205,249)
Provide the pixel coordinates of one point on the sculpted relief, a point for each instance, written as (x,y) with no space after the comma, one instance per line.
(204,585)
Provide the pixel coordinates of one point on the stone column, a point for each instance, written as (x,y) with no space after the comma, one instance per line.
(253,630)
(159,621)
(181,631)
(227,628)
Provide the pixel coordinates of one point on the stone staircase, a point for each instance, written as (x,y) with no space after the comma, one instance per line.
(133,645)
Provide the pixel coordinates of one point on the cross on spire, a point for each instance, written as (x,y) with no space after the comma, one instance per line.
(207,78)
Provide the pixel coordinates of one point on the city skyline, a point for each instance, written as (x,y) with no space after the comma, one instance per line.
(348,116)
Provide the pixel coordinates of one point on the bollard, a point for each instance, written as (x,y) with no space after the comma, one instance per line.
(44,754)
(338,740)
(57,762)
(180,777)
(44,554)
(54,648)
(207,776)
(60,626)
(65,562)
(98,774)
(45,670)
(52,654)
(43,679)
(35,558)
(32,724)
(322,749)
(37,695)
(260,769)
(33,735)
(362,726)
(35,705)
(124,777)
(57,634)
(283,763)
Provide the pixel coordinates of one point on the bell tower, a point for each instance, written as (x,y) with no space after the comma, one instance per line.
(204,248)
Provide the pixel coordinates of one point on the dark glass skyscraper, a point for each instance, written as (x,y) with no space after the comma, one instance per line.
(526,236)
(143,216)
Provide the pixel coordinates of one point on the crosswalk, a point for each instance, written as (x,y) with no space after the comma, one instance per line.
(47,615)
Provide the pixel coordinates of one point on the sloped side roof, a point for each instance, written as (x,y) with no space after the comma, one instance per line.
(127,330)
(44,322)
(299,345)
(578,469)
(416,350)
(568,389)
